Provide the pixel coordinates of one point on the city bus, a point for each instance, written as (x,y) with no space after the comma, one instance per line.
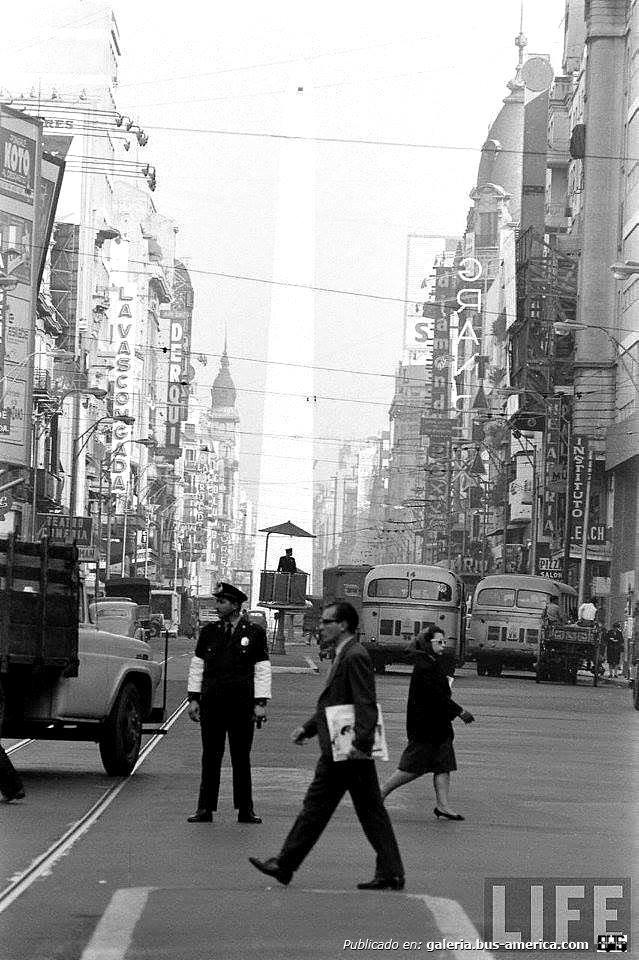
(399,600)
(506,619)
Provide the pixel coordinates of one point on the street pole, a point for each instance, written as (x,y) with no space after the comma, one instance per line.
(533,516)
(107,574)
(97,559)
(335,520)
(449,502)
(74,482)
(124,529)
(34,460)
(584,545)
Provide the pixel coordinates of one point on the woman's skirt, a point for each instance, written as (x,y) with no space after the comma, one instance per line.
(422,758)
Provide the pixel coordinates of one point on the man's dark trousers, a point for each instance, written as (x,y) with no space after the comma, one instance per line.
(10,782)
(226,710)
(332,780)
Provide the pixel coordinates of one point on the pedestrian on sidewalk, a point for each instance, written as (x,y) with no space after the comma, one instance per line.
(228,689)
(10,783)
(614,648)
(429,714)
(351,681)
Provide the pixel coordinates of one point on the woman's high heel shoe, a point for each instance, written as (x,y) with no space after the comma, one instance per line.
(447,816)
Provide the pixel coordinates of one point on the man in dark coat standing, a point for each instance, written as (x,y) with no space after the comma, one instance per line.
(351,680)
(287,563)
(228,688)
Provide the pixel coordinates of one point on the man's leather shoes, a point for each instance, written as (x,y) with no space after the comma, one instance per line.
(271,868)
(201,816)
(250,817)
(382,883)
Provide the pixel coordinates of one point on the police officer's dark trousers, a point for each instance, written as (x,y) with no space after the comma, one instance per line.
(226,708)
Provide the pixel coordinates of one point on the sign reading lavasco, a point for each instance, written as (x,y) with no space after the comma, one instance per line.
(17,165)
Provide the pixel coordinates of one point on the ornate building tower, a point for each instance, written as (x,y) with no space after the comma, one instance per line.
(219,427)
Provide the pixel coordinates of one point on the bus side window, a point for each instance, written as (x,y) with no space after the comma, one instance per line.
(398,628)
(386,628)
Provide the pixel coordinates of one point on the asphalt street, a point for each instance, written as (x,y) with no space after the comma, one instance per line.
(547,781)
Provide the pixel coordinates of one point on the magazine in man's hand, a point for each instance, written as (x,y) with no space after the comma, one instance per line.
(341,726)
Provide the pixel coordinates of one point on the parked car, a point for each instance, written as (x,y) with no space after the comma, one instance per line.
(117,615)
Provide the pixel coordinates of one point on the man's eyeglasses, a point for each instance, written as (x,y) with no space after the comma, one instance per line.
(325,620)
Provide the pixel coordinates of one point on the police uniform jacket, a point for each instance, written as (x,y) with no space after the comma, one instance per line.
(351,680)
(234,665)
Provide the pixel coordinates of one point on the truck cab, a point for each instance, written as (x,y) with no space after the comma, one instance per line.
(90,684)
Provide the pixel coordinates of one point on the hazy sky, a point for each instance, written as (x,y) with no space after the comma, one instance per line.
(428,74)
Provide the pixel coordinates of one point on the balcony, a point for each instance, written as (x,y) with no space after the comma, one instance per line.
(42,383)
(281,590)
(49,490)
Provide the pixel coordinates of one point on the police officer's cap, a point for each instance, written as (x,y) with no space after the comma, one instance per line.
(230,592)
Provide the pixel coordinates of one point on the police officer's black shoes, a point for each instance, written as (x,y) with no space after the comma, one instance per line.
(248,816)
(18,794)
(272,868)
(201,815)
(382,883)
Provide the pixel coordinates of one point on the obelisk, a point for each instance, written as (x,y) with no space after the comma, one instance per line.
(286,468)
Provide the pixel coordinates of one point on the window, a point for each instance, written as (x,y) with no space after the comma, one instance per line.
(392,589)
(496,597)
(534,599)
(431,590)
(386,628)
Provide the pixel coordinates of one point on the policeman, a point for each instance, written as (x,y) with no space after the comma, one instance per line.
(228,688)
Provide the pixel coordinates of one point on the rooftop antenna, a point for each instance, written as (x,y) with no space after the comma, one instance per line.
(520,41)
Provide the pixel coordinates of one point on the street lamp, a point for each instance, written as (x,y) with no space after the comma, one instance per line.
(85,391)
(565,327)
(77,447)
(622,271)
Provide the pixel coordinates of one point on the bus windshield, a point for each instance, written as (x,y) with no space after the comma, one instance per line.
(391,588)
(161,603)
(431,590)
(532,598)
(496,597)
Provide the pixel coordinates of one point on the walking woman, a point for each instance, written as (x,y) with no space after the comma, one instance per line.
(429,715)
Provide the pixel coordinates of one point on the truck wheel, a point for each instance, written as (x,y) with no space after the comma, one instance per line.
(379,665)
(635,693)
(481,668)
(122,735)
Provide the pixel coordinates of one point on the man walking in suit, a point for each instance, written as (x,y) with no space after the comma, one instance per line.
(351,680)
(228,688)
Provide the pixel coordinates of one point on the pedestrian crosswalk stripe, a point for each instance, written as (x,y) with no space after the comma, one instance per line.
(112,937)
(455,925)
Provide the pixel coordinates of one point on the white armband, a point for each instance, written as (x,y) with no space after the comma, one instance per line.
(196,672)
(262,680)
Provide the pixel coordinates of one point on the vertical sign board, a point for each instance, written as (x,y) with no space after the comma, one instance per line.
(51,174)
(468,345)
(178,391)
(123,340)
(20,160)
(582,466)
(418,322)
(554,479)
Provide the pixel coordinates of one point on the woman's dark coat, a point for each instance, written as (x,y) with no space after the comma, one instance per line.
(431,709)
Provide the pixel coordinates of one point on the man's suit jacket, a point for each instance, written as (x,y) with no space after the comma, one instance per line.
(351,680)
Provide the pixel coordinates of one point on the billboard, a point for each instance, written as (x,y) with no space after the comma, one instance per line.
(20,186)
(421,252)
(124,342)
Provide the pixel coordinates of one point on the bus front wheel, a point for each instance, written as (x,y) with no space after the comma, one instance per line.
(481,668)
